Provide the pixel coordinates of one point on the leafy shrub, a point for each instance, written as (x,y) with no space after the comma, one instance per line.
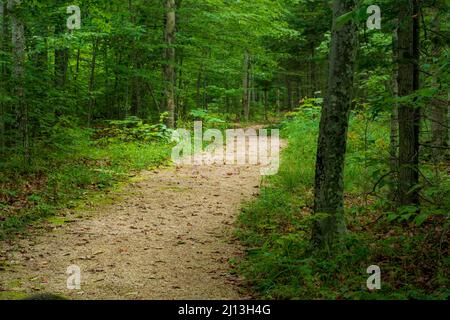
(205,116)
(134,129)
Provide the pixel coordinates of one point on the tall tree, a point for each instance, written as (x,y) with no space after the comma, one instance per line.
(245,86)
(18,56)
(329,186)
(439,108)
(169,63)
(393,144)
(408,113)
(61,57)
(3,42)
(92,100)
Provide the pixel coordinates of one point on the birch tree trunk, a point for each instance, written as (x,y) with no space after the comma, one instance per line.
(329,184)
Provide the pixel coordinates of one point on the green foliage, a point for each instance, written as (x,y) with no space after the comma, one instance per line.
(134,129)
(204,115)
(309,108)
(276,228)
(57,179)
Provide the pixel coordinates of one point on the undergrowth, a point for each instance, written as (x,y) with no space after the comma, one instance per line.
(276,228)
(73,166)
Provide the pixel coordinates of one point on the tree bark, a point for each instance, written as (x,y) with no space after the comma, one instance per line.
(108,103)
(408,113)
(266,103)
(313,70)
(179,101)
(245,85)
(61,67)
(92,81)
(439,110)
(393,144)
(61,59)
(289,94)
(299,93)
(329,184)
(18,56)
(136,91)
(169,66)
(278,101)
(3,75)
(199,87)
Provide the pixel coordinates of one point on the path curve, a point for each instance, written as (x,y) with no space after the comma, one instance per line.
(171,237)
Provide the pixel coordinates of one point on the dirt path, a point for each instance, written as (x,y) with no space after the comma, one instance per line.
(170,238)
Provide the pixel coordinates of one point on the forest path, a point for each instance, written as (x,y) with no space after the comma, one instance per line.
(171,237)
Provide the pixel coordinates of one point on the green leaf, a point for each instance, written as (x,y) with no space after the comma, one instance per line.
(421,218)
(345,18)
(392,216)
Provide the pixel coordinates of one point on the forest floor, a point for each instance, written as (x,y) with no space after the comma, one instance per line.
(170,236)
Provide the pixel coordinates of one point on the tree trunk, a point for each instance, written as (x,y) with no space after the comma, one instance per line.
(439,110)
(61,59)
(227,99)
(205,92)
(199,87)
(245,85)
(77,67)
(313,70)
(266,103)
(278,101)
(289,94)
(61,67)
(108,103)
(393,144)
(18,57)
(393,153)
(92,81)
(136,108)
(3,74)
(77,71)
(180,105)
(329,184)
(299,93)
(169,66)
(117,83)
(408,113)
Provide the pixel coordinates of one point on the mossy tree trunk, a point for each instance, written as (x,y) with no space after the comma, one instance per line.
(329,185)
